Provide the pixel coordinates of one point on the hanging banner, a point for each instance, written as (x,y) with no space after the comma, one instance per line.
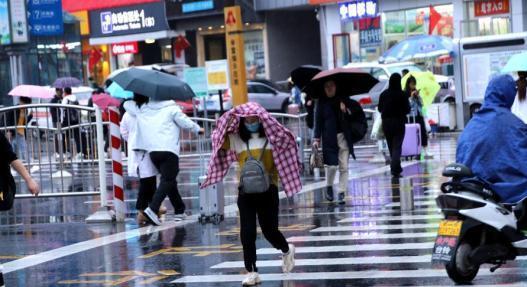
(45,17)
(236,54)
(18,13)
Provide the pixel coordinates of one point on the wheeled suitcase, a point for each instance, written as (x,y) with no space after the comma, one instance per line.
(211,198)
(211,202)
(412,141)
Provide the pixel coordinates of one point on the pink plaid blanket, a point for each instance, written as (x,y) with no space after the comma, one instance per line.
(285,150)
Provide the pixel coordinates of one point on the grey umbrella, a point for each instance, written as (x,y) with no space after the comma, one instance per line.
(66,82)
(154,84)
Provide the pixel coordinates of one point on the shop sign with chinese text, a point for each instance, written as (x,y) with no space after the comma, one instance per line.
(143,18)
(45,17)
(491,7)
(358,9)
(125,48)
(370,32)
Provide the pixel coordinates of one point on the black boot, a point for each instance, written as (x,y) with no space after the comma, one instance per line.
(329,193)
(342,197)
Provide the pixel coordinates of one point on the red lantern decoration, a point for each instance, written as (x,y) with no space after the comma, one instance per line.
(180,44)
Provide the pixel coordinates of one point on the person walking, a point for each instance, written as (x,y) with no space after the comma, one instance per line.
(519,108)
(140,165)
(394,106)
(416,111)
(71,117)
(20,118)
(330,130)
(9,159)
(56,118)
(158,129)
(243,135)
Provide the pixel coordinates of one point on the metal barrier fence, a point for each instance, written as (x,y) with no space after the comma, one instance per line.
(72,158)
(63,156)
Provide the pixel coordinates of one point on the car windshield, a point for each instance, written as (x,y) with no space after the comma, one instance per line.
(398,69)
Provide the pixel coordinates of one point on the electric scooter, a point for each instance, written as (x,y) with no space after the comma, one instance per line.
(477,229)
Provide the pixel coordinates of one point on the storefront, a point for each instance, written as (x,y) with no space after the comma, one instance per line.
(486,17)
(202,23)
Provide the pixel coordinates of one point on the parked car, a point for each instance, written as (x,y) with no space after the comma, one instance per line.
(259,91)
(384,71)
(370,100)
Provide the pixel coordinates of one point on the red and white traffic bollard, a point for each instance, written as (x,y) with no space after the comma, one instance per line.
(117,166)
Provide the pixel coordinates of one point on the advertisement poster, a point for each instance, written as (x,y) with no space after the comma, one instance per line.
(5,34)
(370,32)
(18,21)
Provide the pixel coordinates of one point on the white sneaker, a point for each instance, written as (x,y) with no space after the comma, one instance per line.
(288,259)
(180,217)
(152,216)
(252,279)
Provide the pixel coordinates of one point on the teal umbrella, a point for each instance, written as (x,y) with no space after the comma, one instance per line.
(118,92)
(518,62)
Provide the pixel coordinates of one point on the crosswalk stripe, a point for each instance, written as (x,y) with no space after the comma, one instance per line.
(392,218)
(350,275)
(332,261)
(352,248)
(372,227)
(365,236)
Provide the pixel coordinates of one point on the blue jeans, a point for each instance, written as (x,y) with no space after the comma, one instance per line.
(19,146)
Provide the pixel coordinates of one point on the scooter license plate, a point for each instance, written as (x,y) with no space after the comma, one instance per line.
(450,228)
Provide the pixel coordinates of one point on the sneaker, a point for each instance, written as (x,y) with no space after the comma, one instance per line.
(342,197)
(180,217)
(252,279)
(152,216)
(329,193)
(288,259)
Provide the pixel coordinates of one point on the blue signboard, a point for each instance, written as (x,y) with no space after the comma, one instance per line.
(197,6)
(45,17)
(358,9)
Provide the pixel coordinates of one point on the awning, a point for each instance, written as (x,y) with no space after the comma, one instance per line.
(133,37)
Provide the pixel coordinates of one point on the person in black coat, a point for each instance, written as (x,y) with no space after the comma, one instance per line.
(394,106)
(8,158)
(334,114)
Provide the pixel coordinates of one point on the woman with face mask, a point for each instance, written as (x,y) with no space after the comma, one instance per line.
(248,131)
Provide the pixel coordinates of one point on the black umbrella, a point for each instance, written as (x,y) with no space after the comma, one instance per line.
(302,75)
(156,85)
(349,82)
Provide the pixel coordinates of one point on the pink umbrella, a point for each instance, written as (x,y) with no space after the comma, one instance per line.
(104,101)
(32,91)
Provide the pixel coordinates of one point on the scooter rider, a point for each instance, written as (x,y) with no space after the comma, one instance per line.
(494,145)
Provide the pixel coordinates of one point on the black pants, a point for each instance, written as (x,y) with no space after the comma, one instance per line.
(167,163)
(394,133)
(424,134)
(147,188)
(66,140)
(265,205)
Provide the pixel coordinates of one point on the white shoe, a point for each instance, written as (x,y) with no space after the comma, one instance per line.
(288,259)
(180,217)
(252,279)
(152,216)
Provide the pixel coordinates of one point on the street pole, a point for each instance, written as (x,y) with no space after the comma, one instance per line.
(221,101)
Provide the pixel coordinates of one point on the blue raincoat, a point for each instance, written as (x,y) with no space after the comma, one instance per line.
(494,143)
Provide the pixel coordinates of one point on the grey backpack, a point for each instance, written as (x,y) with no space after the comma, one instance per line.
(253,176)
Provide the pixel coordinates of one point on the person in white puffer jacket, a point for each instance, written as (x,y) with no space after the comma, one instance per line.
(158,131)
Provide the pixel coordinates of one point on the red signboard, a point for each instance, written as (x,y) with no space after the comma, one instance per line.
(125,48)
(491,7)
(88,5)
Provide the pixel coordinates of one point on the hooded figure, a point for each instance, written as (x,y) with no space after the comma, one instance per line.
(494,143)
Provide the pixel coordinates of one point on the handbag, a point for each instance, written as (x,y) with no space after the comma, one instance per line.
(316,160)
(376,132)
(7,192)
